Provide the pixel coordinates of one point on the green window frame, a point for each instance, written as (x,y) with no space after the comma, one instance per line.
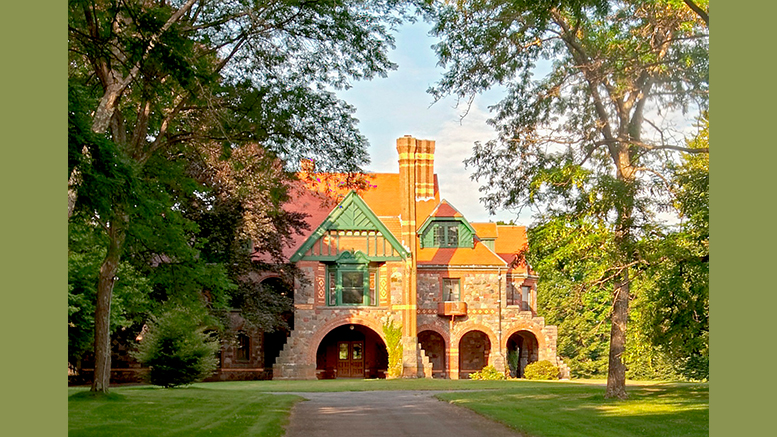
(352,285)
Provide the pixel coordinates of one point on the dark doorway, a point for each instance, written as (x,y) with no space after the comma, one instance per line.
(522,350)
(434,346)
(351,351)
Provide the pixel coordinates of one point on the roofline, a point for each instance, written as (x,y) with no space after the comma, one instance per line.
(460,267)
(351,197)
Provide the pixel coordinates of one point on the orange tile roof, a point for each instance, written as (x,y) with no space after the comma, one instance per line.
(380,191)
(485,230)
(317,194)
(445,209)
(480,255)
(510,242)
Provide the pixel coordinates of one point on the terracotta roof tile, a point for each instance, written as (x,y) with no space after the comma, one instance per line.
(511,241)
(480,255)
(485,230)
(445,209)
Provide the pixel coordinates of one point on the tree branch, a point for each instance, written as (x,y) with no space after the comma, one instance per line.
(647,146)
(116,85)
(699,11)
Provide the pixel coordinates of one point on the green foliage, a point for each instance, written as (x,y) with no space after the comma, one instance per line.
(176,349)
(488,373)
(579,144)
(541,370)
(677,306)
(131,295)
(160,108)
(393,335)
(513,361)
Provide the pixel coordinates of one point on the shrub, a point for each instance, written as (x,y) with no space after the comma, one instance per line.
(544,370)
(393,335)
(488,373)
(176,350)
(513,361)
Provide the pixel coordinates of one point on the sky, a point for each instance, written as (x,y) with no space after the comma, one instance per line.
(389,108)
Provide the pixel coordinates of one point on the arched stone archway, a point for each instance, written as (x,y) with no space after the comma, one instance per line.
(351,351)
(536,330)
(474,352)
(433,344)
(522,350)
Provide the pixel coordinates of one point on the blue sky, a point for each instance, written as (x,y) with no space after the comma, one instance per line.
(398,105)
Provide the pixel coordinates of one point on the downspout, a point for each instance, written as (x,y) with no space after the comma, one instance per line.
(499,312)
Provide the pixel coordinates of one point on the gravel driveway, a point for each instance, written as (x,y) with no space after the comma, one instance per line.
(387,413)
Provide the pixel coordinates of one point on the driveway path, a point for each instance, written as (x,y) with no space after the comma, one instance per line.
(387,413)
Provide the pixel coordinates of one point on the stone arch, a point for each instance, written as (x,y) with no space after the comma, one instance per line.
(526,326)
(438,329)
(315,340)
(475,351)
(525,343)
(351,350)
(461,331)
(435,343)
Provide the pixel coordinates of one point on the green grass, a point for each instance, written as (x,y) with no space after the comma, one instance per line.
(536,408)
(568,409)
(192,411)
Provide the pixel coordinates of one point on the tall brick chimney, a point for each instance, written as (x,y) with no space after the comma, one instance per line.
(416,166)
(416,182)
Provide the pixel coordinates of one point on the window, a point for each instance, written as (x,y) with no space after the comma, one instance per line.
(525,297)
(446,235)
(353,289)
(451,289)
(243,351)
(513,297)
(352,283)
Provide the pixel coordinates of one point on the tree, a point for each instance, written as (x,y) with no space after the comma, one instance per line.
(154,81)
(589,143)
(177,350)
(678,304)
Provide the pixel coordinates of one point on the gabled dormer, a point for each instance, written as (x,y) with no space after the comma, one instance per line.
(446,227)
(351,227)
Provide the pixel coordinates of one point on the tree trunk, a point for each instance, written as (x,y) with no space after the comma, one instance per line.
(616,370)
(102,312)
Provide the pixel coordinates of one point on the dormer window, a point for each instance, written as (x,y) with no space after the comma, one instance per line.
(446,234)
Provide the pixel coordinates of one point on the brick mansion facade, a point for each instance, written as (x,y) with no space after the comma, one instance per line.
(396,253)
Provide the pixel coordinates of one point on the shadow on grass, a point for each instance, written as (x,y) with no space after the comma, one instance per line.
(96,396)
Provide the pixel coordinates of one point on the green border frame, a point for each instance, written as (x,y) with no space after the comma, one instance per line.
(34,306)
(742,217)
(742,298)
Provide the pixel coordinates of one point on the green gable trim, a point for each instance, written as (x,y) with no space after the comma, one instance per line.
(352,214)
(334,258)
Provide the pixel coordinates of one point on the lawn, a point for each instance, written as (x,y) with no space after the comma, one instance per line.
(193,411)
(538,409)
(580,410)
